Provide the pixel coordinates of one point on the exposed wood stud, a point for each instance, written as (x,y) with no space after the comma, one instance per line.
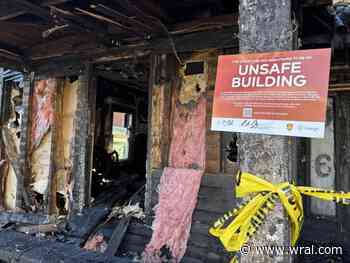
(3,172)
(25,178)
(149,180)
(54,2)
(82,144)
(51,191)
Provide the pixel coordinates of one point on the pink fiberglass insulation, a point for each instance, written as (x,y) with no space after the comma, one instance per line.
(187,149)
(179,184)
(42,110)
(177,199)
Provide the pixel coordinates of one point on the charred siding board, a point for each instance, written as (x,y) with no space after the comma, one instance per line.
(216,196)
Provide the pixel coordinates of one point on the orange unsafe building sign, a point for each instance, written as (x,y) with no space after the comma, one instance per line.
(278,93)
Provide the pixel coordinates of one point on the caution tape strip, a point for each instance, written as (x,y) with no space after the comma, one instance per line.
(237,226)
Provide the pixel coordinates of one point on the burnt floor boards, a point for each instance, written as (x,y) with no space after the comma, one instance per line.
(215,197)
(17,247)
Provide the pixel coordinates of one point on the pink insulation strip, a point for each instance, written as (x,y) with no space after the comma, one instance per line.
(179,184)
(177,199)
(187,147)
(43,110)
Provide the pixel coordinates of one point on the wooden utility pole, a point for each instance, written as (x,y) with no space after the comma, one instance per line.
(266,26)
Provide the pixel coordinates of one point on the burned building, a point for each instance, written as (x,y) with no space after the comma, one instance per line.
(105,112)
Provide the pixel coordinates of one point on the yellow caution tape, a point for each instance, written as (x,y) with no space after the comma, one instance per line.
(236,227)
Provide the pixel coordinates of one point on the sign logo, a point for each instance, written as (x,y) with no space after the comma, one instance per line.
(290,126)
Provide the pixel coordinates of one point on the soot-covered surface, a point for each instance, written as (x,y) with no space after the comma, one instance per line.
(17,247)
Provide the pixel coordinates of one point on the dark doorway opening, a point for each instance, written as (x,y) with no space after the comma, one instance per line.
(121,126)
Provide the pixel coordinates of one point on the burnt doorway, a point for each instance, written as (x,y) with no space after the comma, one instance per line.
(323,164)
(121,126)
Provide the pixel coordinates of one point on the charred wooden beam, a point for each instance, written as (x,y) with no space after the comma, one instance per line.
(205,24)
(224,38)
(121,18)
(151,7)
(9,10)
(140,14)
(118,236)
(54,2)
(309,3)
(114,23)
(81,160)
(24,182)
(12,51)
(33,8)
(12,14)
(77,21)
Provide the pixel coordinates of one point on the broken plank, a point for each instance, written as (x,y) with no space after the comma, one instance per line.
(25,179)
(18,247)
(82,225)
(118,236)
(34,229)
(24,218)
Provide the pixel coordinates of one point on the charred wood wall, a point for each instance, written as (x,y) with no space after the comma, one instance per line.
(170,83)
(167,85)
(40,152)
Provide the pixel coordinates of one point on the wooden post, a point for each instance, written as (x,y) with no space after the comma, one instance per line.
(83,142)
(159,119)
(266,26)
(24,179)
(2,152)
